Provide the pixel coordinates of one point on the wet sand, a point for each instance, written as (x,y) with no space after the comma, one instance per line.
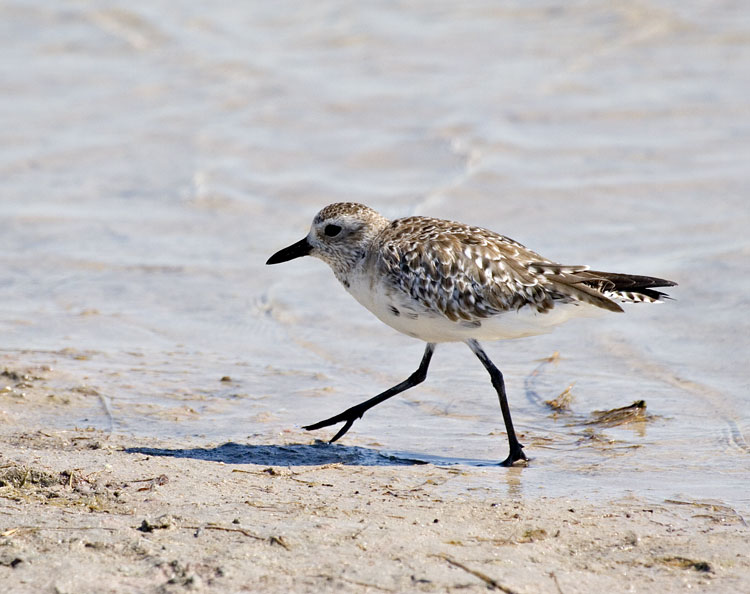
(153,157)
(87,510)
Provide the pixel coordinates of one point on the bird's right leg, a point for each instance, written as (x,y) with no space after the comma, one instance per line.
(355,412)
(516,449)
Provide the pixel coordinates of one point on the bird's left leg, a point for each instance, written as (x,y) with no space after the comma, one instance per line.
(355,412)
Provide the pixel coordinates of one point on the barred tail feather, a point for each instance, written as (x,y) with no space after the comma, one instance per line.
(627,287)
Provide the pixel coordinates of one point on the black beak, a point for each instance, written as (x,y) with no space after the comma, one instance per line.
(296,250)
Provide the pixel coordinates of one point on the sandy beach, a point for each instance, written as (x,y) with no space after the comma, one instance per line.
(90,511)
(155,374)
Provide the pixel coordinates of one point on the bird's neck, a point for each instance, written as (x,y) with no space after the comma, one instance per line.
(346,270)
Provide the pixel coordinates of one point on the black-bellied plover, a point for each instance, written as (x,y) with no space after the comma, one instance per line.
(441,281)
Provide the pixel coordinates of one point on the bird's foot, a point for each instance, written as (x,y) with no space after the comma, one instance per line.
(516,455)
(348,416)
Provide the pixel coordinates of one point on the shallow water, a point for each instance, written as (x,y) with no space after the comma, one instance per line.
(154,156)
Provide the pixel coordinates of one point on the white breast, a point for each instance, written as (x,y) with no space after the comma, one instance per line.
(408,316)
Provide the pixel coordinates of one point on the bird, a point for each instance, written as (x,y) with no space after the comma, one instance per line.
(443,281)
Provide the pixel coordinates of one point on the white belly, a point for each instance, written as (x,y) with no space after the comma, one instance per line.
(404,314)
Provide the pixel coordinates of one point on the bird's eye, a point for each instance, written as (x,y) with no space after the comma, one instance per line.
(332,230)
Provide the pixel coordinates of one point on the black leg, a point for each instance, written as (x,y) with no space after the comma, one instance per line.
(355,412)
(516,449)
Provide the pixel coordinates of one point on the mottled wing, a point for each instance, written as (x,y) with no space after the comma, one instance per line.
(468,273)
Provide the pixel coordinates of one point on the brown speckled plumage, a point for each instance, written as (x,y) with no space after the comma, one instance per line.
(422,266)
(470,273)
